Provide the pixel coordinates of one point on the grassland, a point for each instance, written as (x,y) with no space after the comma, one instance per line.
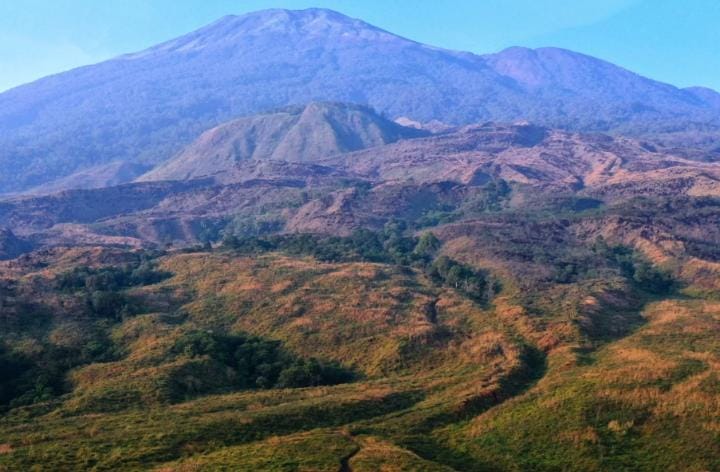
(592,372)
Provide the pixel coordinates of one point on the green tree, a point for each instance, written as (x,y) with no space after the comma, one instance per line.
(427,245)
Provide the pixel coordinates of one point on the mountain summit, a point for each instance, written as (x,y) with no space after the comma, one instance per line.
(311,25)
(145,107)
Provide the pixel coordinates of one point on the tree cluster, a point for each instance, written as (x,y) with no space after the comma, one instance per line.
(259,363)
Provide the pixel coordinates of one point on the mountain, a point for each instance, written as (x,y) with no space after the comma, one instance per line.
(189,281)
(297,134)
(570,85)
(144,108)
(104,175)
(705,94)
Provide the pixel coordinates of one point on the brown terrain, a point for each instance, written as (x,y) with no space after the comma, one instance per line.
(349,190)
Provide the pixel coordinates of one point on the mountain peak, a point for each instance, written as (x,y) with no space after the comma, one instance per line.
(311,21)
(291,26)
(281,19)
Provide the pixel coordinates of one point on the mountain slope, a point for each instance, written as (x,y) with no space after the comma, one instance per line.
(614,167)
(426,179)
(10,245)
(705,94)
(573,84)
(581,357)
(145,107)
(297,134)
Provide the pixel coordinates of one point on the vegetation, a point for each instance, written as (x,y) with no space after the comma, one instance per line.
(403,308)
(40,375)
(469,281)
(258,363)
(362,245)
(635,267)
(524,346)
(388,246)
(109,278)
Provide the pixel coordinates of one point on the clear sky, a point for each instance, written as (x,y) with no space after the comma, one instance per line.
(676,41)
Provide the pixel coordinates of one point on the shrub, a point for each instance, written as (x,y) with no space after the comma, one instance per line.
(109,278)
(635,267)
(259,363)
(112,305)
(464,278)
(427,245)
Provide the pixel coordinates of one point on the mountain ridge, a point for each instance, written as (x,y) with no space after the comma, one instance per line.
(143,108)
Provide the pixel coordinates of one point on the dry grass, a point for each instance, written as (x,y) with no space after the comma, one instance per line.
(647,389)
(444,378)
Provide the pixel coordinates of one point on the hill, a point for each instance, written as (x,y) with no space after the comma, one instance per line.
(438,303)
(443,177)
(573,162)
(382,349)
(10,246)
(298,134)
(145,107)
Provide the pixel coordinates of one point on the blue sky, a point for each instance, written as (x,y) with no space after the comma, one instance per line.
(676,41)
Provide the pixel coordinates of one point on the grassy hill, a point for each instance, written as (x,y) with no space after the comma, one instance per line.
(395,349)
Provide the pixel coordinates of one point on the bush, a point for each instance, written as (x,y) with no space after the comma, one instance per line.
(109,278)
(260,363)
(650,279)
(108,305)
(427,245)
(635,267)
(40,376)
(12,368)
(464,278)
(390,247)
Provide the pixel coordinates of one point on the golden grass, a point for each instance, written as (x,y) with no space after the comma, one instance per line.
(407,336)
(639,384)
(356,313)
(376,455)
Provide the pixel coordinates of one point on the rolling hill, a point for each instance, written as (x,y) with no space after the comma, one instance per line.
(505,341)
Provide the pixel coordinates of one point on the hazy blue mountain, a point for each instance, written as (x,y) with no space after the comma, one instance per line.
(705,94)
(580,91)
(144,108)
